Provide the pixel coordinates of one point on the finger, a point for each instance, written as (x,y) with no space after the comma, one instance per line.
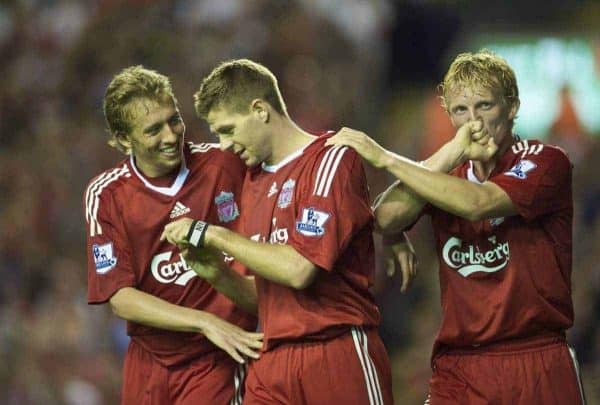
(232,352)
(235,355)
(248,351)
(390,267)
(475,126)
(405,270)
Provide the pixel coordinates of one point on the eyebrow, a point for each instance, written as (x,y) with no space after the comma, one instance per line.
(153,127)
(224,128)
(158,125)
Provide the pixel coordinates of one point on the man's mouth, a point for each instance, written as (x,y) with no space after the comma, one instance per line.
(170,151)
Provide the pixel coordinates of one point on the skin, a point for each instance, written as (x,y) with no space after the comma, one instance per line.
(156,137)
(156,141)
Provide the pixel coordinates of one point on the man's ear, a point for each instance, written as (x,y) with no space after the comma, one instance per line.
(514,109)
(124,140)
(261,109)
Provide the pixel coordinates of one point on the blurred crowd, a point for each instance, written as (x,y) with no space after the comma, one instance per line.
(335,67)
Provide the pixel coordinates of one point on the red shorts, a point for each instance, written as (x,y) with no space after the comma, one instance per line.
(213,379)
(532,371)
(351,369)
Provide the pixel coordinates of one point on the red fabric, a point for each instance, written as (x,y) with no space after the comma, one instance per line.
(510,277)
(125,214)
(328,372)
(208,380)
(340,243)
(520,375)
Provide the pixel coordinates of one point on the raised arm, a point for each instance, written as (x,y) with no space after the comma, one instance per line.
(456,196)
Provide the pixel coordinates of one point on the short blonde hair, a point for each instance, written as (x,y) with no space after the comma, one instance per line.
(132,83)
(236,83)
(484,69)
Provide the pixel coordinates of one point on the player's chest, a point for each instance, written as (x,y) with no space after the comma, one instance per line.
(271,207)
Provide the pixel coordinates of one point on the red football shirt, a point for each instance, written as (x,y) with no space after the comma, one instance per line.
(125,217)
(316,201)
(509,277)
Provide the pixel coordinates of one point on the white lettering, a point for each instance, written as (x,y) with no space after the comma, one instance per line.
(469,259)
(176,272)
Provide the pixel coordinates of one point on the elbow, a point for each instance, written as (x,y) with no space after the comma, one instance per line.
(388,221)
(304,278)
(476,211)
(117,304)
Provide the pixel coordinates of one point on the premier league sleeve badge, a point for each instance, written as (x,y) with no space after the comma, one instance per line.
(104,257)
(312,222)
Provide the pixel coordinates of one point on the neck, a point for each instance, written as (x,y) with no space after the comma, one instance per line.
(287,138)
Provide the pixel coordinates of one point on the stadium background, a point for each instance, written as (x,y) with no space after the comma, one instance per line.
(371,65)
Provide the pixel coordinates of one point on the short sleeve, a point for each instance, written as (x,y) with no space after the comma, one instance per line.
(332,208)
(227,172)
(539,182)
(108,251)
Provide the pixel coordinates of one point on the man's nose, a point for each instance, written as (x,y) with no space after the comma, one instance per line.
(474,115)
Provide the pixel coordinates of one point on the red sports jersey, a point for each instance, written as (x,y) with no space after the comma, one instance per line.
(316,201)
(509,277)
(125,217)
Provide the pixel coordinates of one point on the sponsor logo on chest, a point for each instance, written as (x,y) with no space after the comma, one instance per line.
(175,272)
(277,235)
(470,258)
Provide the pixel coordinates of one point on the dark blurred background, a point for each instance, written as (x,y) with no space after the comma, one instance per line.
(372,65)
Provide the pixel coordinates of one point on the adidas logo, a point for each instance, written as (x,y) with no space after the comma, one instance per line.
(273,190)
(178,210)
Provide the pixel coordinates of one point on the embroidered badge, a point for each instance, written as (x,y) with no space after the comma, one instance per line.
(496,221)
(521,169)
(226,207)
(312,222)
(104,257)
(287,192)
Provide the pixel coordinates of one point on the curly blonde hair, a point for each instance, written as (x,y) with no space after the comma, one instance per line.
(132,83)
(481,69)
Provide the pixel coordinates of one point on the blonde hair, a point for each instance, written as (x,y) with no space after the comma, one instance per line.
(482,69)
(132,83)
(236,83)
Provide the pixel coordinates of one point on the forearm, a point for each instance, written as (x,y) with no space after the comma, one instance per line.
(140,307)
(237,287)
(279,263)
(451,194)
(399,205)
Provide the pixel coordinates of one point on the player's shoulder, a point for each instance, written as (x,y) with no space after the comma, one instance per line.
(201,154)
(321,153)
(533,148)
(109,180)
(328,163)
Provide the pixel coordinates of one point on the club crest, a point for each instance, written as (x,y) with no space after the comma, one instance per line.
(286,194)
(104,257)
(312,222)
(227,209)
